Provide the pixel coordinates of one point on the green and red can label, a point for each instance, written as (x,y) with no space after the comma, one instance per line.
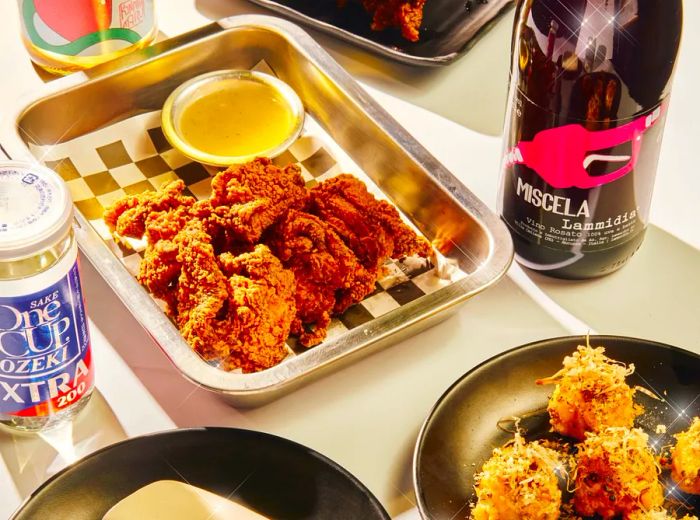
(45,361)
(86,27)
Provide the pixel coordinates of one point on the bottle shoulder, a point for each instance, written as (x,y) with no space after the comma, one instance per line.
(593,51)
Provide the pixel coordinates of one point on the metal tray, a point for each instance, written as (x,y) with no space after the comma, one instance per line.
(435,201)
(449,28)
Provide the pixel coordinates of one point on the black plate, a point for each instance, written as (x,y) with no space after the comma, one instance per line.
(449,27)
(462,429)
(276,477)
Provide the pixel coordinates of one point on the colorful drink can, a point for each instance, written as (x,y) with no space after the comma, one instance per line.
(67,35)
(46,374)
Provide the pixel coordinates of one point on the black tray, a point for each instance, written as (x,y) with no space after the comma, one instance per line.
(278,478)
(449,27)
(462,429)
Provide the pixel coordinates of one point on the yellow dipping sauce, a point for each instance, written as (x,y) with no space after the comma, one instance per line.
(241,117)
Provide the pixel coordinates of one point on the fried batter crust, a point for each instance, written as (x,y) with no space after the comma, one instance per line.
(371,228)
(519,482)
(234,300)
(685,468)
(329,276)
(238,309)
(404,14)
(591,394)
(128,216)
(261,304)
(246,199)
(616,475)
(260,192)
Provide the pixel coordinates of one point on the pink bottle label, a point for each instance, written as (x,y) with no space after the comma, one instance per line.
(561,156)
(575,187)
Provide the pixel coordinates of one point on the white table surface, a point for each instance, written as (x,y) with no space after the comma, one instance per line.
(366,417)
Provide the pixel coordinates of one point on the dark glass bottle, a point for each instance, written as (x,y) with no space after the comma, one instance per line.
(590,84)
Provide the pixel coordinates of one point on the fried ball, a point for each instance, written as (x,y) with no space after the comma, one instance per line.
(685,465)
(616,474)
(519,482)
(591,394)
(659,514)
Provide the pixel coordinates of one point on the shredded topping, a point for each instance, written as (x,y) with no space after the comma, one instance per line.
(659,514)
(591,394)
(616,473)
(685,466)
(519,481)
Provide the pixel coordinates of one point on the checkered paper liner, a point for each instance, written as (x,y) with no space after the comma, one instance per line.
(133,156)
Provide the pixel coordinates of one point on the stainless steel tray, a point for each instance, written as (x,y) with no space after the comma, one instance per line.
(437,203)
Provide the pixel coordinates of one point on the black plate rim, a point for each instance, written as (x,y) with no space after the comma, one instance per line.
(204,429)
(506,353)
(381,49)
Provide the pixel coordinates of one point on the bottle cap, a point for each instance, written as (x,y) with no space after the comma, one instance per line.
(36,209)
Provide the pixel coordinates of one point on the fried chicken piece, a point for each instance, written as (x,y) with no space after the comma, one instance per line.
(223,225)
(261,304)
(405,14)
(128,215)
(202,292)
(259,193)
(235,308)
(159,271)
(616,475)
(591,394)
(237,305)
(371,228)
(328,275)
(246,199)
(519,482)
(685,466)
(165,225)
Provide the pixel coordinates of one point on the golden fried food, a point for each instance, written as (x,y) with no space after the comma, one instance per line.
(159,271)
(261,306)
(246,199)
(616,475)
(328,275)
(371,228)
(237,309)
(201,293)
(519,482)
(685,465)
(659,514)
(128,215)
(258,193)
(407,15)
(231,297)
(591,394)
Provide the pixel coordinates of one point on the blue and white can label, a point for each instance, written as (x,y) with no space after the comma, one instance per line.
(45,360)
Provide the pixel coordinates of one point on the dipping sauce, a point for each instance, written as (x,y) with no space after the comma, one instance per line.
(241,117)
(232,116)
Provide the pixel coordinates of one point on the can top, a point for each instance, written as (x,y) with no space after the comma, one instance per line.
(35,209)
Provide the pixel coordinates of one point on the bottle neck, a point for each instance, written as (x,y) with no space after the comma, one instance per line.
(596,59)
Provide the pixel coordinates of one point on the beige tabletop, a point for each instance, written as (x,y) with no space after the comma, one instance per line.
(366,417)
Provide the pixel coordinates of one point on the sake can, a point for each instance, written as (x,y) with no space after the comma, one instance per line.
(46,371)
